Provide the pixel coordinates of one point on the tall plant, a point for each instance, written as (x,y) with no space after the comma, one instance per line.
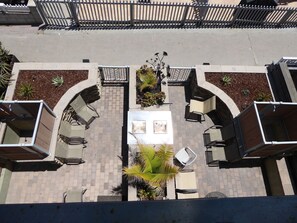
(153,166)
(148,78)
(4,54)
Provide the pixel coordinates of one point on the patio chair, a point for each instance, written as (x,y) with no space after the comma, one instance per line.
(186,185)
(69,154)
(201,107)
(72,134)
(85,113)
(186,156)
(214,156)
(75,195)
(212,136)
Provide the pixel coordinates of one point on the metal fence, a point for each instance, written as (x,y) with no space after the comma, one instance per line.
(180,74)
(120,74)
(290,61)
(96,14)
(114,74)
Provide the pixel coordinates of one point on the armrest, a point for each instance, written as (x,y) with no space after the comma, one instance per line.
(199,98)
(186,191)
(213,127)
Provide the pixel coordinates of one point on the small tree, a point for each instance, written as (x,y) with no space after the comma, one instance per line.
(152,166)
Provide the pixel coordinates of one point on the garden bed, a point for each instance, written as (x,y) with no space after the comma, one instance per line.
(243,88)
(41,82)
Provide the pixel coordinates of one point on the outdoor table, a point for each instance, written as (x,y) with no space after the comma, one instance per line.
(149,127)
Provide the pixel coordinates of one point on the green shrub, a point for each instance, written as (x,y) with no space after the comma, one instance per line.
(245,92)
(58,81)
(26,90)
(4,68)
(2,96)
(226,80)
(4,54)
(4,78)
(150,99)
(148,78)
(262,96)
(148,194)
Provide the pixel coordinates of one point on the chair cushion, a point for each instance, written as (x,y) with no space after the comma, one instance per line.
(218,153)
(73,196)
(182,157)
(215,134)
(186,180)
(187,196)
(196,106)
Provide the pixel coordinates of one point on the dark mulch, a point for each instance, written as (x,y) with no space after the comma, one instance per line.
(255,83)
(41,81)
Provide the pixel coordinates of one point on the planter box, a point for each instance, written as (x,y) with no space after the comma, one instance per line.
(133,93)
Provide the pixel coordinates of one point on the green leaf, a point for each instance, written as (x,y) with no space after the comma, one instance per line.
(154,165)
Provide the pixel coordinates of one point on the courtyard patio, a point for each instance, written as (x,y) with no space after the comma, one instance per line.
(107,147)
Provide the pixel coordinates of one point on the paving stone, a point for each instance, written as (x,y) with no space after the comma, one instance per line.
(103,168)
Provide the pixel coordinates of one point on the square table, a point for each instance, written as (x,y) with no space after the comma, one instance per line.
(149,127)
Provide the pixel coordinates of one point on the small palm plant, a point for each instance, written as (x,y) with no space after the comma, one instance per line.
(153,166)
(26,90)
(148,78)
(4,54)
(4,80)
(226,80)
(58,81)
(263,96)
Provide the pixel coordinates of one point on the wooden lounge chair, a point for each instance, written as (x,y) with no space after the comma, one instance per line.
(202,107)
(72,134)
(76,195)
(186,185)
(69,154)
(85,113)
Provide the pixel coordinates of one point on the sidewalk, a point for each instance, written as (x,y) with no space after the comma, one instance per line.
(121,47)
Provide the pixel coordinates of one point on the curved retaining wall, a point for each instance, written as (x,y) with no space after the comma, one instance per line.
(66,98)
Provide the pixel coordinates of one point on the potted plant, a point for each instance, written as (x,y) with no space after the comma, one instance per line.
(151,170)
(148,79)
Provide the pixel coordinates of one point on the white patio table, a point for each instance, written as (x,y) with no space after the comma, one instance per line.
(149,127)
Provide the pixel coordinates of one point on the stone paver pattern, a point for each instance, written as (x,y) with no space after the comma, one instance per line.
(103,167)
(101,171)
(238,182)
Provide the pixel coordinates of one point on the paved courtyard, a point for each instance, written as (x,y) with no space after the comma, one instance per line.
(102,170)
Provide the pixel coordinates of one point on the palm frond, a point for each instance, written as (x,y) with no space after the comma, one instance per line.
(134,171)
(147,154)
(165,153)
(148,80)
(4,79)
(168,173)
(5,68)
(154,166)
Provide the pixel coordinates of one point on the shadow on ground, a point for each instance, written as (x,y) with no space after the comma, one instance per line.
(35,166)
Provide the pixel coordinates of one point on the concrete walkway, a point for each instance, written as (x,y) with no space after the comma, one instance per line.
(121,47)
